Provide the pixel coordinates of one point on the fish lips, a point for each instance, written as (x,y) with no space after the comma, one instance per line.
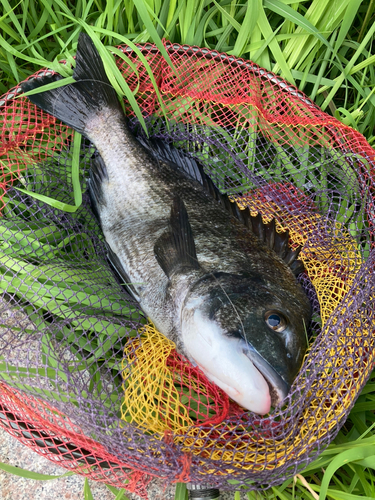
(279,388)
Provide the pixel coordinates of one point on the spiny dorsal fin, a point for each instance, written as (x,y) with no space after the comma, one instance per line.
(279,242)
(270,231)
(175,249)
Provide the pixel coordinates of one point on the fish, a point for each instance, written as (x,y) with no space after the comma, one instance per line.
(216,280)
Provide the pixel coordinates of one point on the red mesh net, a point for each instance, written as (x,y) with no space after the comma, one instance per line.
(85,382)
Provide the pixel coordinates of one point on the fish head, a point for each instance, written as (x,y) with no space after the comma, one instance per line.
(247,335)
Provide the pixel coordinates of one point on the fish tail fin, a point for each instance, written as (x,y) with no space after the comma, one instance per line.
(75,104)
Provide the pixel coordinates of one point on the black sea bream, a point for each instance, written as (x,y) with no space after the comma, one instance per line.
(212,278)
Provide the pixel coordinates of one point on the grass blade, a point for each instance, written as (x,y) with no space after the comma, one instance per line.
(50,201)
(274,47)
(350,13)
(247,27)
(293,16)
(17,471)
(142,10)
(119,494)
(77,191)
(351,455)
(87,491)
(181,492)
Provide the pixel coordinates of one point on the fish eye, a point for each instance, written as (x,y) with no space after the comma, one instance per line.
(275,321)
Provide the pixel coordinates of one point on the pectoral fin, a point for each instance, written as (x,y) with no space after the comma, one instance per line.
(175,249)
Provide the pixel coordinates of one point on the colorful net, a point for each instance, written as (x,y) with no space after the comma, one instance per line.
(85,380)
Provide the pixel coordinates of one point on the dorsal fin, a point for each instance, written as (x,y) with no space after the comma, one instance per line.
(177,159)
(173,156)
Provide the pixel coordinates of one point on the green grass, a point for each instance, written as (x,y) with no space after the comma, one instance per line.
(324,47)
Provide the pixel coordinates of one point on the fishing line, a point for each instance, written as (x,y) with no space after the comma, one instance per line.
(227,296)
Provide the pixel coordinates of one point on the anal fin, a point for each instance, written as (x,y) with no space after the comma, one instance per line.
(98,175)
(121,273)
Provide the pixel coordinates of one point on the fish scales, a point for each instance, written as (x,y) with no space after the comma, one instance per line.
(228,301)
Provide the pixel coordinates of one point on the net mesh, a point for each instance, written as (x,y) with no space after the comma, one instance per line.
(86,380)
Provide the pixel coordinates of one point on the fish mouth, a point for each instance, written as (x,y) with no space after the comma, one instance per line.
(279,389)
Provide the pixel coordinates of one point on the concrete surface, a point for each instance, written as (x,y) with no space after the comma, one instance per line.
(69,488)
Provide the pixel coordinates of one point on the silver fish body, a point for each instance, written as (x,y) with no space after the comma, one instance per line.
(228,301)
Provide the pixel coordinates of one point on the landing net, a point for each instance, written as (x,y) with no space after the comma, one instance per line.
(85,380)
